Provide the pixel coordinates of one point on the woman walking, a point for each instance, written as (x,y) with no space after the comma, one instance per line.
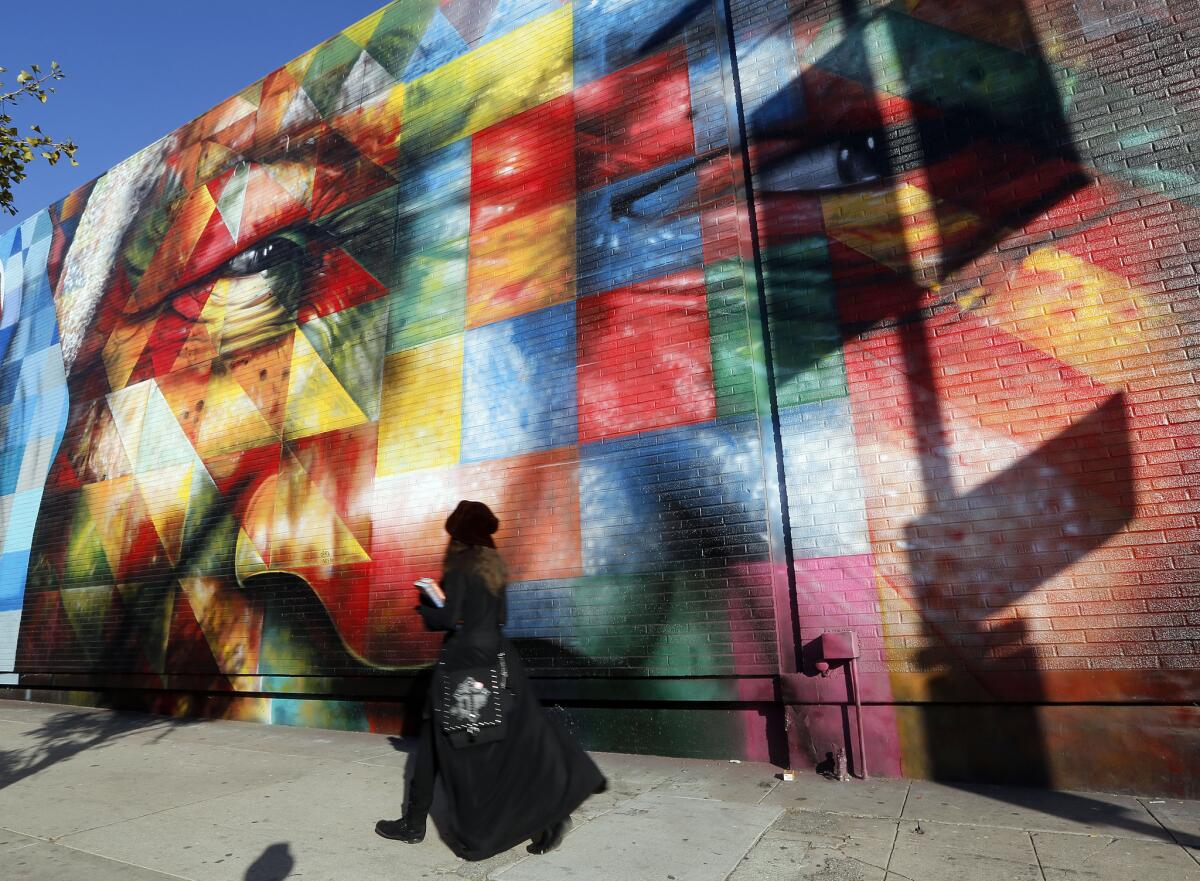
(511,774)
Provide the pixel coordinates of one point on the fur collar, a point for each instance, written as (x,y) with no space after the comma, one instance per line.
(484,563)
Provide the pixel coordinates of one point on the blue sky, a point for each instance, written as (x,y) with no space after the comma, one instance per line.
(137,69)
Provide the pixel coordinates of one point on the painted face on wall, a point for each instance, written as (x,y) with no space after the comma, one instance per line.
(351,296)
(234,327)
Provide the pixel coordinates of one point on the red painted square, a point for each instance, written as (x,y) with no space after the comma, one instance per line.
(633,120)
(536,498)
(523,164)
(644,358)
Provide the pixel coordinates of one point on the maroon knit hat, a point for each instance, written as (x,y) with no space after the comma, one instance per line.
(472,523)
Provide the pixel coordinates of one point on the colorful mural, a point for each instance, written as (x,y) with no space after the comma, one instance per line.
(750,320)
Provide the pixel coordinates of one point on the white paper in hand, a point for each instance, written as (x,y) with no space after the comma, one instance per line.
(431,589)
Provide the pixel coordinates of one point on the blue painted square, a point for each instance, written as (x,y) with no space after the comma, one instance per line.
(429,177)
(435,199)
(36,228)
(22,519)
(541,610)
(611,34)
(512,14)
(13,568)
(640,228)
(35,332)
(10,373)
(706,87)
(10,242)
(11,457)
(7,332)
(21,412)
(519,385)
(771,83)
(826,498)
(13,282)
(43,382)
(440,45)
(37,293)
(686,498)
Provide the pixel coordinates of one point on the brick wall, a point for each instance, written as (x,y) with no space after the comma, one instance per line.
(751,320)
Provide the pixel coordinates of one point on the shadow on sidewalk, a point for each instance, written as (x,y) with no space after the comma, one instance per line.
(1071,806)
(273,864)
(66,734)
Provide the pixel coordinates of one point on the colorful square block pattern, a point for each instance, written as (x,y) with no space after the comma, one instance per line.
(662,500)
(644,358)
(518,389)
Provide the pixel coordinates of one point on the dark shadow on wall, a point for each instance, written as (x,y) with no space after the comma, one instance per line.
(67,734)
(841,171)
(966,142)
(1052,507)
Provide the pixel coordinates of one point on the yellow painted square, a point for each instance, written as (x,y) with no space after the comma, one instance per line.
(520,70)
(521,266)
(420,423)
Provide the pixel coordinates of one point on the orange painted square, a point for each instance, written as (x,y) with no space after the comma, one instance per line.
(522,266)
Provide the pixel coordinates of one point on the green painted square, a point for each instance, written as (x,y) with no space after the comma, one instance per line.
(398,33)
(437,109)
(660,621)
(733,351)
(430,300)
(806,340)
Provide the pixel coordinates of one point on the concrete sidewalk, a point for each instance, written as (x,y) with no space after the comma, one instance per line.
(101,796)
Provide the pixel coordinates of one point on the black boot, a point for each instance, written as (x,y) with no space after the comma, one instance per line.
(410,831)
(550,837)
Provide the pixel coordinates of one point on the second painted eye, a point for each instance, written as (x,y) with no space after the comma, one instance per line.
(265,255)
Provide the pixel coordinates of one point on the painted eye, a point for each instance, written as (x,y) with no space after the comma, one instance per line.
(849,161)
(265,255)
(860,159)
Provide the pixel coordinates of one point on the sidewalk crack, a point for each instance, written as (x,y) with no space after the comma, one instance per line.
(92,853)
(896,835)
(753,844)
(1194,855)
(1037,856)
(774,786)
(59,838)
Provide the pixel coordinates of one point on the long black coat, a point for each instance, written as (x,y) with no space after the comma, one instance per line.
(506,792)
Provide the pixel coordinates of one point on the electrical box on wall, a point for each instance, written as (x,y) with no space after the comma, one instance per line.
(839,645)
